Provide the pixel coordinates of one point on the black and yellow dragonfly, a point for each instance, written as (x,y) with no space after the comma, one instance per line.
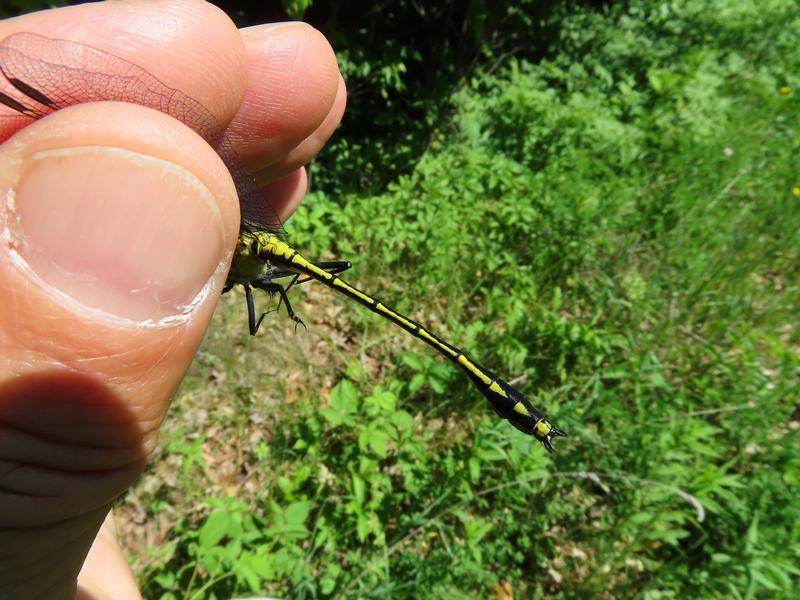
(43,75)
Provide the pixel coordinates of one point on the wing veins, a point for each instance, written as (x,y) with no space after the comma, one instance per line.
(56,73)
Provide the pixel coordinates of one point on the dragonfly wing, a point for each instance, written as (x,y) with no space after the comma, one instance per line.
(43,75)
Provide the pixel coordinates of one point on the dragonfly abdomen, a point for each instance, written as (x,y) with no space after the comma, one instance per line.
(507,401)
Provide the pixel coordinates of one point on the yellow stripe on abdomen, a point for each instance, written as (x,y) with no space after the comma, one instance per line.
(471,367)
(397,317)
(340,284)
(285,253)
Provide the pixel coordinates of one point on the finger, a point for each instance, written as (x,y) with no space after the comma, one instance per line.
(192,47)
(115,243)
(117,225)
(293,94)
(286,193)
(293,83)
(105,573)
(306,150)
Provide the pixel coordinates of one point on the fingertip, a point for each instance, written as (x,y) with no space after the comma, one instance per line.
(293,83)
(119,225)
(171,40)
(286,194)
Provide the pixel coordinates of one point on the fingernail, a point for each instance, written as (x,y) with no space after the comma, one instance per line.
(132,235)
(264,29)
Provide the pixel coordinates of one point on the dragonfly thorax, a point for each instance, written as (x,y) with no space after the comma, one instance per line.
(247,266)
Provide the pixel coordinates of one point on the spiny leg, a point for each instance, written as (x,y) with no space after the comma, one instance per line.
(275,288)
(291,283)
(251,310)
(267,284)
(333,267)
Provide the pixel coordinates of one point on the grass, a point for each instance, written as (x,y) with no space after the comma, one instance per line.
(615,229)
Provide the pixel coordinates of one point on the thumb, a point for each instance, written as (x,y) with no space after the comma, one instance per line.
(116,230)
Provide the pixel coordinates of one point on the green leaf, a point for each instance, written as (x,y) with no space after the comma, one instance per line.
(378,441)
(719,557)
(297,513)
(343,404)
(474,469)
(214,529)
(556,303)
(437,386)
(416,383)
(412,361)
(402,420)
(327,584)
(363,526)
(359,488)
(296,8)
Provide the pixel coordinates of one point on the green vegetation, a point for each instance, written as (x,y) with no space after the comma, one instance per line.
(607,215)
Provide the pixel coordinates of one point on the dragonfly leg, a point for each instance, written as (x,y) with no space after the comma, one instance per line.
(275,288)
(333,267)
(251,311)
(268,284)
(291,283)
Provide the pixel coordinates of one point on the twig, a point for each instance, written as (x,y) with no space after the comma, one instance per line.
(729,186)
(713,411)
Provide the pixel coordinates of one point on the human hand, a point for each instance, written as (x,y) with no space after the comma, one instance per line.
(116,230)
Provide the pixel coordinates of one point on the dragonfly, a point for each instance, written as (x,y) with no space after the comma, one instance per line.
(43,75)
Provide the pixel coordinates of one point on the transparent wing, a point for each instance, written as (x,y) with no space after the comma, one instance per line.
(43,75)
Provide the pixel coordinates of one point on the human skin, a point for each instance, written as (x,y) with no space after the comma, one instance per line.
(117,226)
